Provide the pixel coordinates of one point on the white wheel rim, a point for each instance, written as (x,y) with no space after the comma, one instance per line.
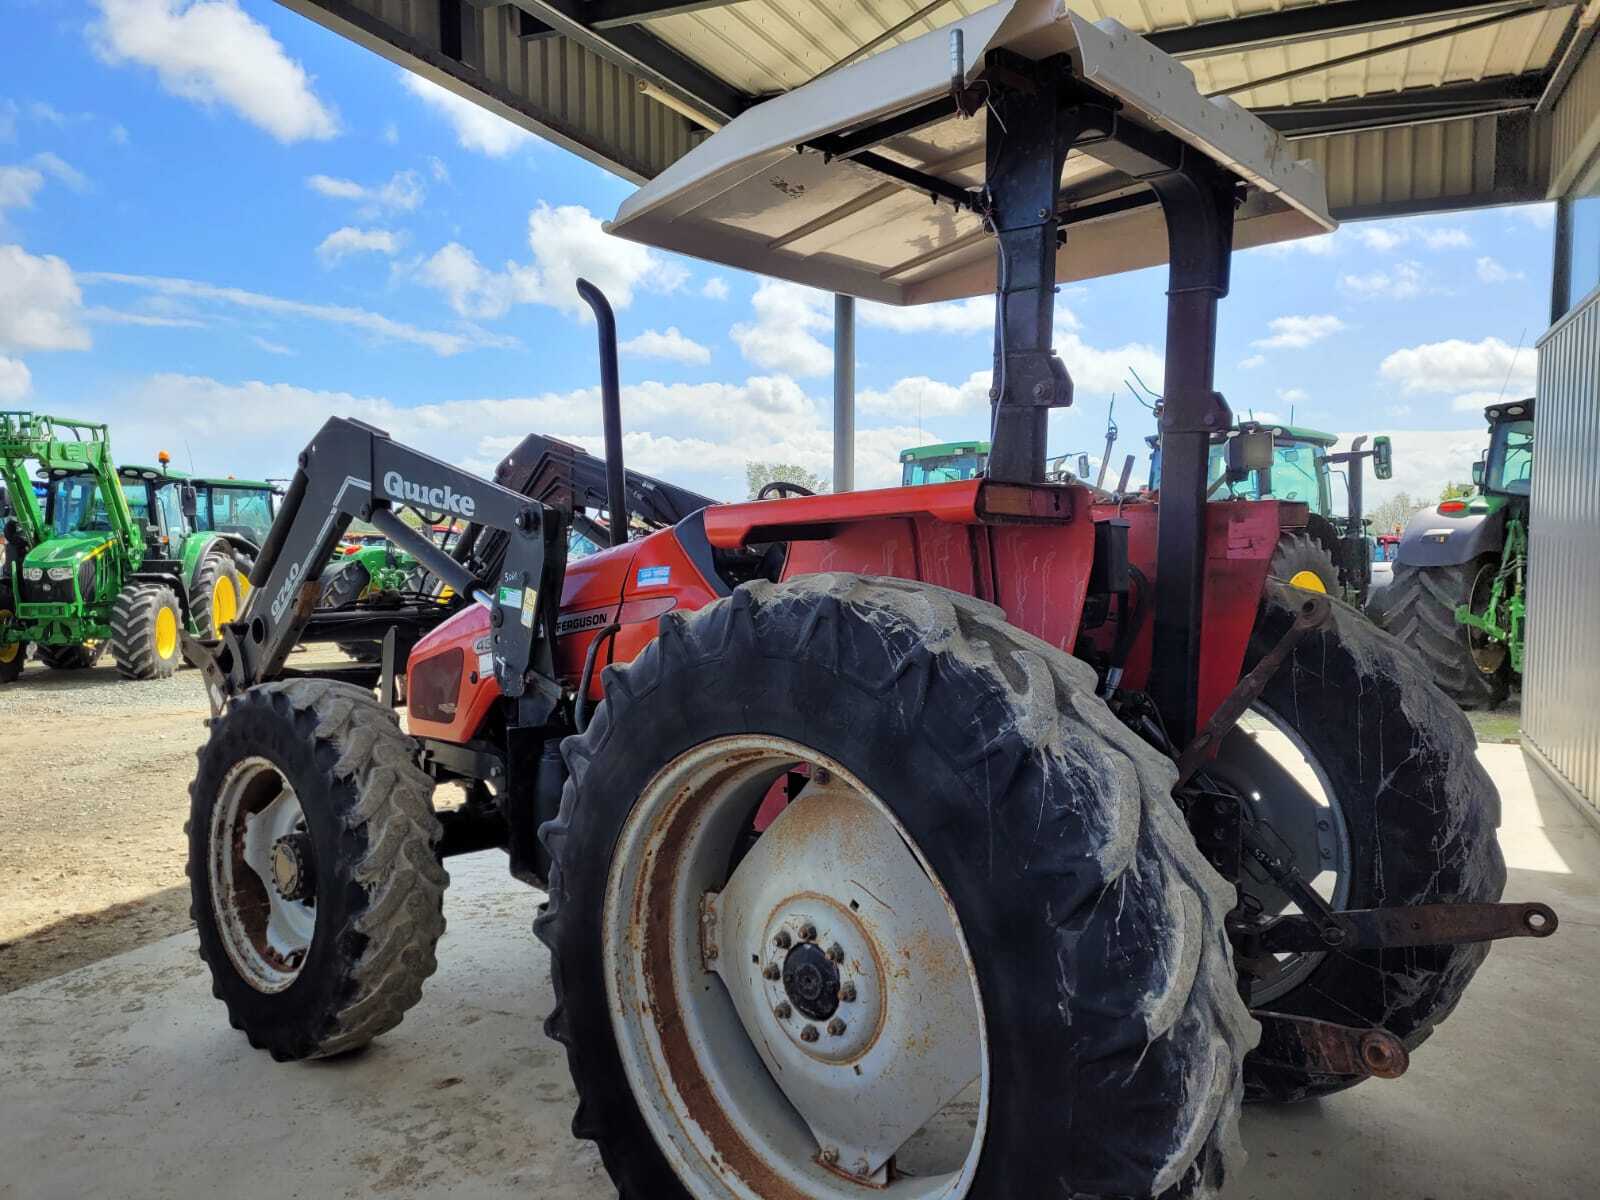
(741,1099)
(266,923)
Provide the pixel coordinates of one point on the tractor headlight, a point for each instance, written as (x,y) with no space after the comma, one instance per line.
(33,574)
(60,574)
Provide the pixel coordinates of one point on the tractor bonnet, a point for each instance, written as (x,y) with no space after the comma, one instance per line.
(782,189)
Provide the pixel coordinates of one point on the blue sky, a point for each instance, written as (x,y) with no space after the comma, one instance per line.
(216,257)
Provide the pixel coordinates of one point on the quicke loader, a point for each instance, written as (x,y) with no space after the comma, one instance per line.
(927,842)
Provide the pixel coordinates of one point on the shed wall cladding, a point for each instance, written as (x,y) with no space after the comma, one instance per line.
(1574,129)
(1561,687)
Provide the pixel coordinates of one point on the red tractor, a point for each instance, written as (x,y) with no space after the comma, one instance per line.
(980,839)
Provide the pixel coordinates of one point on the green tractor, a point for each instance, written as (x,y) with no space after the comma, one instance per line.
(943,462)
(1460,575)
(1332,552)
(111,558)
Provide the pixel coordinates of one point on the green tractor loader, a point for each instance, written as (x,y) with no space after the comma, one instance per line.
(1460,574)
(1332,552)
(111,557)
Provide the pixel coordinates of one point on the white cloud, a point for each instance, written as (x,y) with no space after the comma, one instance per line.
(212,52)
(974,315)
(342,243)
(1298,332)
(1492,270)
(1322,245)
(41,306)
(436,168)
(568,244)
(272,347)
(391,134)
(1251,363)
(1096,371)
(1454,367)
(782,336)
(402,192)
(921,397)
(1292,395)
(1540,216)
(18,186)
(1381,238)
(375,324)
(476,127)
(1476,401)
(1403,281)
(1424,461)
(671,345)
(117,316)
(1447,238)
(716,288)
(15,380)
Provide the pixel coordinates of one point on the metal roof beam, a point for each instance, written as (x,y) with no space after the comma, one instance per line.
(613,14)
(1411,107)
(641,52)
(1317,21)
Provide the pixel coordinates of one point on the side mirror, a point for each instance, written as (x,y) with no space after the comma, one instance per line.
(189,501)
(1249,450)
(1477,473)
(1382,457)
(1083,466)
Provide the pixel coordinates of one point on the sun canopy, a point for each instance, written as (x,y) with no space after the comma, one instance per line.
(758,195)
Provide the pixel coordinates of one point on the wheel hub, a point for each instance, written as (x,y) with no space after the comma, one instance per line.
(292,874)
(820,979)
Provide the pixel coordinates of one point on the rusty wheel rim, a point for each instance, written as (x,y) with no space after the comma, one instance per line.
(800,1021)
(262,875)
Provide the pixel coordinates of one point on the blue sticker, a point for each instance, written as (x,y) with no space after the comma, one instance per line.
(653,577)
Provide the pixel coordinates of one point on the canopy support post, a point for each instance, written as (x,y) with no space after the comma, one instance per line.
(844,393)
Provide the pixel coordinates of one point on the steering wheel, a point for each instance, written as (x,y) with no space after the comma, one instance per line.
(783,487)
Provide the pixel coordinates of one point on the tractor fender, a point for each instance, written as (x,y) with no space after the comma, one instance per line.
(1435,540)
(195,548)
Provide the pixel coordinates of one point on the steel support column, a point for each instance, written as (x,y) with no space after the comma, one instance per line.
(1028,135)
(1198,202)
(844,393)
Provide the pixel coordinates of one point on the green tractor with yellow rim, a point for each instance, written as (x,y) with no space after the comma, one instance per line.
(112,557)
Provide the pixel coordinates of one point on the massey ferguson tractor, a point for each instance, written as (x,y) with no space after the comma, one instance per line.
(974,839)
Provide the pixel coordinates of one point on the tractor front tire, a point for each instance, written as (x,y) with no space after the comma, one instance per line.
(357,863)
(1091,925)
(1301,561)
(1420,610)
(145,626)
(79,657)
(215,599)
(13,655)
(1413,807)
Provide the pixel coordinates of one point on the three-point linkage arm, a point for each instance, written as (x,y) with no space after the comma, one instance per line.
(351,470)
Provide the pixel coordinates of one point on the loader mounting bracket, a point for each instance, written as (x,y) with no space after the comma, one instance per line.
(1386,928)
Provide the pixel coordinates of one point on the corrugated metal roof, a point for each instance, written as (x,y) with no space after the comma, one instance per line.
(545,64)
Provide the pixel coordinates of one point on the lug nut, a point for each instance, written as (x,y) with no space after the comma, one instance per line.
(836,952)
(836,1027)
(773,971)
(782,941)
(822,775)
(830,1156)
(847,993)
(808,932)
(809,1034)
(782,1011)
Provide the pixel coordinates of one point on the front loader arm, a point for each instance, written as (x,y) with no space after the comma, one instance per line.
(352,470)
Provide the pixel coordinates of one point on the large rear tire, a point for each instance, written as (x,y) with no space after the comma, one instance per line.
(1082,925)
(215,597)
(145,626)
(1409,818)
(314,883)
(1420,610)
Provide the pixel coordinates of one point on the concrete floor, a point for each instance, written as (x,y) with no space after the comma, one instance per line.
(120,1080)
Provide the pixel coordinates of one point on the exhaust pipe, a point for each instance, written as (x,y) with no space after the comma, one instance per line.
(610,409)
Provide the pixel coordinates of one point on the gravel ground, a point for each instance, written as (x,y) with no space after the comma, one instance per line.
(94,779)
